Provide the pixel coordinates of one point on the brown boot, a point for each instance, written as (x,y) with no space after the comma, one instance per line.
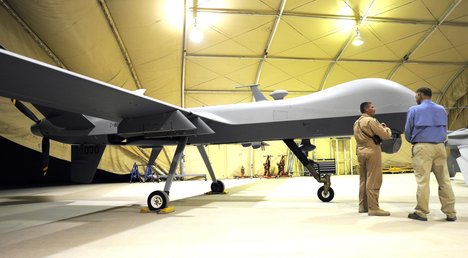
(378,212)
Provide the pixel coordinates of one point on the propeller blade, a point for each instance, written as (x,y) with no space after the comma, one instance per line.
(21,107)
(45,155)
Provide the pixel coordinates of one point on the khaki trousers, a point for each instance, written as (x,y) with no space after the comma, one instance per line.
(370,178)
(429,157)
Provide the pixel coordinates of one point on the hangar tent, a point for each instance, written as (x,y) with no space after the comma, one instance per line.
(301,46)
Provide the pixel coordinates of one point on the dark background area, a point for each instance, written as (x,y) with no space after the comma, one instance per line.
(22,167)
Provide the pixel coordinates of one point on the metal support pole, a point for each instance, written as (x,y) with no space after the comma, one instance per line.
(251,162)
(314,156)
(345,162)
(351,156)
(337,155)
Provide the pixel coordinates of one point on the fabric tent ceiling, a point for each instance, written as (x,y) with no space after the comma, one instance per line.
(301,46)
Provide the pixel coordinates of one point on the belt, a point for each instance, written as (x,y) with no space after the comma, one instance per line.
(427,142)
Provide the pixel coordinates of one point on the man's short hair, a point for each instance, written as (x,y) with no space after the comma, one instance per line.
(364,106)
(425,91)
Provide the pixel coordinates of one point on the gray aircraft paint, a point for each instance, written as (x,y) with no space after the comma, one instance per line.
(457,161)
(330,112)
(126,114)
(91,114)
(339,101)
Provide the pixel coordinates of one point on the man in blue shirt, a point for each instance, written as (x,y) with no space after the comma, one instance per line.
(426,129)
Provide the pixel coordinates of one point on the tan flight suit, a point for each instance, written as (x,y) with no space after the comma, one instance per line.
(370,161)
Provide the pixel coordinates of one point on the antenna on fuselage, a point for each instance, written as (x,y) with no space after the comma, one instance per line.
(279,94)
(258,95)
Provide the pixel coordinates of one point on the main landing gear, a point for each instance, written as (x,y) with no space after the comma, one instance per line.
(325,193)
(159,200)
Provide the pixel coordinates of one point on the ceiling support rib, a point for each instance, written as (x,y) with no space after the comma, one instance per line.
(192,55)
(327,60)
(450,82)
(325,16)
(33,35)
(270,40)
(194,91)
(184,57)
(424,39)
(120,42)
(345,46)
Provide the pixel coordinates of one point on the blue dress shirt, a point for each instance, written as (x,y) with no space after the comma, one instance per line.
(426,122)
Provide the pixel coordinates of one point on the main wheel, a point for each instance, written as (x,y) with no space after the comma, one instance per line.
(325,198)
(217,187)
(158,200)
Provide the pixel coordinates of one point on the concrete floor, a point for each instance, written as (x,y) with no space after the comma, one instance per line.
(257,218)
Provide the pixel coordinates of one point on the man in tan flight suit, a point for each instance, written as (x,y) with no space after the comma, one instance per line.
(369,158)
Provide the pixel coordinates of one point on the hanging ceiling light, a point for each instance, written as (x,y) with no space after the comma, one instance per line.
(196,35)
(358,40)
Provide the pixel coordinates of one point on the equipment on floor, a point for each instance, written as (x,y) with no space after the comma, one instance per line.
(150,175)
(325,166)
(266,167)
(242,173)
(281,165)
(135,175)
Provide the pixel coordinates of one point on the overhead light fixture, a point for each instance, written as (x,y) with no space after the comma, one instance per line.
(196,35)
(357,40)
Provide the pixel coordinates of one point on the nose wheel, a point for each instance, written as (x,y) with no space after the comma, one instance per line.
(325,197)
(325,193)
